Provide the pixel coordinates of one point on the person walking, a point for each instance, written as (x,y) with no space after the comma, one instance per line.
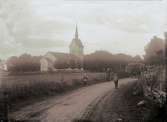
(85,79)
(108,74)
(116,80)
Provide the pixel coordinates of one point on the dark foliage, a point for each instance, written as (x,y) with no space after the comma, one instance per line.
(24,63)
(154,51)
(101,60)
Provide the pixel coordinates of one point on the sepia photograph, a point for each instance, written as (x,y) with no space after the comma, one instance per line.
(83,60)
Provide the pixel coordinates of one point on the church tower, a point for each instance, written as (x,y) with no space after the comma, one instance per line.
(76,46)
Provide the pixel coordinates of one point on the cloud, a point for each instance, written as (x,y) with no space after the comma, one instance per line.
(38,26)
(41,42)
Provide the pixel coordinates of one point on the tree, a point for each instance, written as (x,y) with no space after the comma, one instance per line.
(24,63)
(154,51)
(101,60)
(137,59)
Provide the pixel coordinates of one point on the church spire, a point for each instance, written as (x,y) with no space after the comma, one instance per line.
(76,32)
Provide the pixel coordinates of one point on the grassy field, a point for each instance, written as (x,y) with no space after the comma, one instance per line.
(25,87)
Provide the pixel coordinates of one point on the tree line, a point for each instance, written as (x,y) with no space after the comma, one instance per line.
(24,63)
(97,61)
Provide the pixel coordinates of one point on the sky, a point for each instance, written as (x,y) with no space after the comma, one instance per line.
(39,26)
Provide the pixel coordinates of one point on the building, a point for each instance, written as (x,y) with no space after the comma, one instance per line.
(76,47)
(52,61)
(47,62)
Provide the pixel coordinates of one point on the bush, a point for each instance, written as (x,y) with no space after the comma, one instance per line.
(26,88)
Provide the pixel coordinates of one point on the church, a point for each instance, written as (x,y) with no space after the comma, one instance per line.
(52,61)
(76,47)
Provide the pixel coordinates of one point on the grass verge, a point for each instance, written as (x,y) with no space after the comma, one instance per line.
(121,106)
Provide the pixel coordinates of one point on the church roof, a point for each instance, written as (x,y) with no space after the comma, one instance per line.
(62,55)
(76,40)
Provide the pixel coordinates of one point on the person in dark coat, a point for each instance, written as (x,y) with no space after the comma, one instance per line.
(116,80)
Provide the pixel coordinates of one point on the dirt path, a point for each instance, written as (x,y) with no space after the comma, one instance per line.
(66,107)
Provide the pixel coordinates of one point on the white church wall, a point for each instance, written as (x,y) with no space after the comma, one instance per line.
(44,65)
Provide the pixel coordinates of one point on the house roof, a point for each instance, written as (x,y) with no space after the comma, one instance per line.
(60,55)
(49,60)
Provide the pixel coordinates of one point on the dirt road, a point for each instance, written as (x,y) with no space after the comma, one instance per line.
(66,107)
